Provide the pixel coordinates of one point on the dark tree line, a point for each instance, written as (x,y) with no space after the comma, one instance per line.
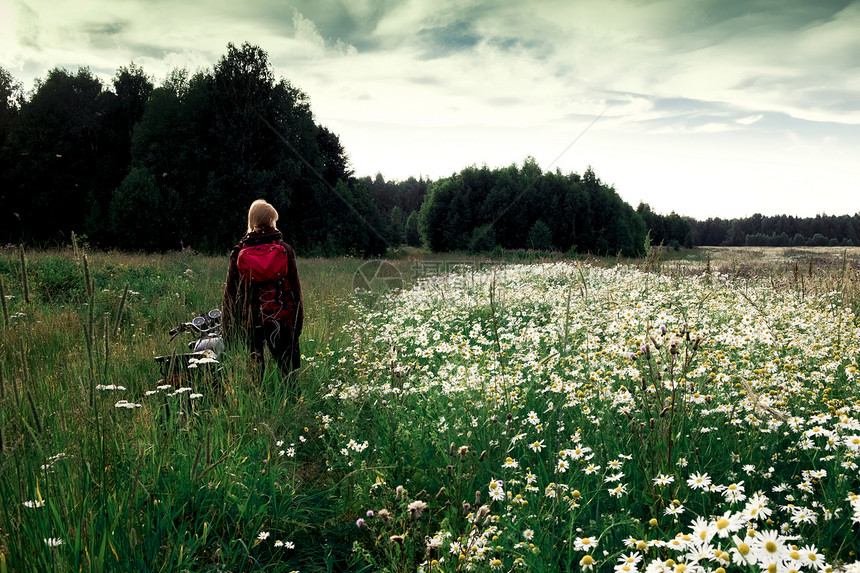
(779,231)
(523,208)
(144,167)
(670,230)
(139,166)
(398,203)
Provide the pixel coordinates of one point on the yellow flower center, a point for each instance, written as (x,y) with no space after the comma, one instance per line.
(770,547)
(587,560)
(722,523)
(794,555)
(744,549)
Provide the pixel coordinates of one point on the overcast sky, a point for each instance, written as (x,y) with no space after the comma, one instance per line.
(706,108)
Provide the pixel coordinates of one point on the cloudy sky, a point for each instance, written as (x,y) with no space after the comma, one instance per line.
(705,107)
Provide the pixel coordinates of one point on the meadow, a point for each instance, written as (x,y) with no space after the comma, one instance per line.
(694,411)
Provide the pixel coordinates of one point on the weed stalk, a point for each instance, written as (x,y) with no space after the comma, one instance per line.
(25,283)
(119,311)
(26,375)
(2,399)
(107,347)
(88,330)
(3,303)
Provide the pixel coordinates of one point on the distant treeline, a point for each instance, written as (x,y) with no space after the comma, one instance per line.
(523,208)
(141,167)
(779,231)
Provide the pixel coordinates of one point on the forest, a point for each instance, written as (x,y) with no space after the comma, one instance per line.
(136,166)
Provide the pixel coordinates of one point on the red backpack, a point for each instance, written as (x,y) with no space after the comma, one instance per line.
(263,263)
(265,267)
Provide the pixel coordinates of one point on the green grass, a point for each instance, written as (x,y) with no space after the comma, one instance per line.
(180,484)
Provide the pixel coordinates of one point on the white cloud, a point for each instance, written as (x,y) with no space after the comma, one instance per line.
(749,120)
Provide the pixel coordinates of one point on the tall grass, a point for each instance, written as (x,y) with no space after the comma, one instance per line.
(174,483)
(249,476)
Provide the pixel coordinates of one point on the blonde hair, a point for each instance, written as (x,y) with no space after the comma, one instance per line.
(261,215)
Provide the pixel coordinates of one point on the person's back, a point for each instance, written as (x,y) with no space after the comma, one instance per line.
(263,297)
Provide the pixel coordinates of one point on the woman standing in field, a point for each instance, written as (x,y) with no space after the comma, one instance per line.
(263,296)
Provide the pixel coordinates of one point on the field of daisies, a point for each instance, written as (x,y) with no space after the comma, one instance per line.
(570,417)
(554,416)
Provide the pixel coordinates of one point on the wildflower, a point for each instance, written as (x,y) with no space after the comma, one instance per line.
(263,535)
(433,544)
(416,508)
(852,443)
(529,534)
(810,557)
(537,446)
(699,481)
(663,479)
(497,493)
(728,523)
(110,387)
(511,463)
(734,492)
(618,490)
(584,544)
(803,515)
(674,509)
(769,547)
(703,531)
(53,541)
(677,543)
(587,562)
(33,504)
(757,508)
